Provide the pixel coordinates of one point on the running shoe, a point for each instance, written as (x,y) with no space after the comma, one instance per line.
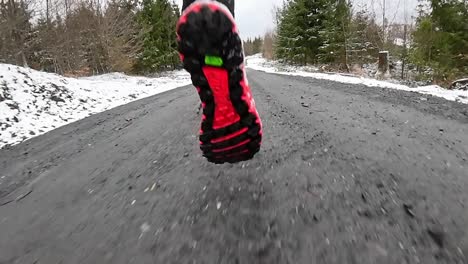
(212,52)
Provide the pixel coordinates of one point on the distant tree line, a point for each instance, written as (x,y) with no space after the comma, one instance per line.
(330,32)
(79,37)
(261,45)
(253,46)
(325,31)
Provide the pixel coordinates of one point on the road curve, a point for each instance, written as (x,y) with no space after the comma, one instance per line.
(347,174)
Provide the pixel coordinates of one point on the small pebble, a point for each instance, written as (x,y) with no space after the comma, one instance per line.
(401,245)
(409,210)
(145,227)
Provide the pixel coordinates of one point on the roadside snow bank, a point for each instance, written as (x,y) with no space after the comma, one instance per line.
(257,62)
(33,102)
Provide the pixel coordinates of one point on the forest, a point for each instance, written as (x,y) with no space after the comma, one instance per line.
(87,37)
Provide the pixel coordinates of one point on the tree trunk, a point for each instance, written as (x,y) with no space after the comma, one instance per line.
(47,12)
(383,65)
(23,58)
(345,33)
(403,65)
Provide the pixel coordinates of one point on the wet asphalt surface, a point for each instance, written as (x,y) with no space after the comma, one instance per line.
(347,174)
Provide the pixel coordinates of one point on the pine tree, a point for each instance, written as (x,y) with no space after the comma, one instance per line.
(335,34)
(42,45)
(253,46)
(299,25)
(285,39)
(364,40)
(257,45)
(248,47)
(451,20)
(421,52)
(158,19)
(441,39)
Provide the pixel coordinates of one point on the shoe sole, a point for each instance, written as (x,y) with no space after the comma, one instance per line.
(212,52)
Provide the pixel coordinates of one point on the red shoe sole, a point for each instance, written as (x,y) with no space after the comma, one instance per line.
(231,128)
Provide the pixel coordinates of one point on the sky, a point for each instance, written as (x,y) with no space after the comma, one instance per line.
(255,17)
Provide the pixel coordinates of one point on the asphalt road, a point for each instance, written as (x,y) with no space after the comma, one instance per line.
(347,174)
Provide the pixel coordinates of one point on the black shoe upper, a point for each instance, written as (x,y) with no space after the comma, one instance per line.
(228,3)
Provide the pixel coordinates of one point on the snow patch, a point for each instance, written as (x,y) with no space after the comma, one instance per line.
(257,62)
(33,103)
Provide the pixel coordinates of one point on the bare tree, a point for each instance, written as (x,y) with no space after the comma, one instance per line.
(70,36)
(120,33)
(15,28)
(268,45)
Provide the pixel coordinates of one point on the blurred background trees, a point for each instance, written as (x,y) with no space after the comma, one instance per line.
(79,37)
(334,32)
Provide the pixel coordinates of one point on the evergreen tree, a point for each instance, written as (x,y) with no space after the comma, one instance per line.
(248,47)
(299,25)
(254,46)
(421,53)
(335,34)
(158,19)
(42,45)
(451,20)
(311,31)
(285,38)
(257,45)
(441,39)
(364,40)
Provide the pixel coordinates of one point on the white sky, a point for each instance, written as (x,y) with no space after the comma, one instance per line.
(255,17)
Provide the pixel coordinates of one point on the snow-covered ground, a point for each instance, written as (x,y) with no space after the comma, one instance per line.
(257,62)
(33,102)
